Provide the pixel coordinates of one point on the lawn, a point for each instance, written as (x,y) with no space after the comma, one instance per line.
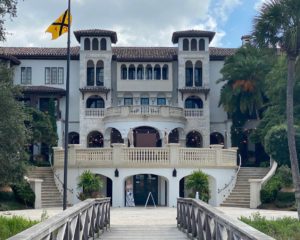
(286,228)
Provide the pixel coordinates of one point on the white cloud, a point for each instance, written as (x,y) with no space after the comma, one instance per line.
(224,8)
(259,4)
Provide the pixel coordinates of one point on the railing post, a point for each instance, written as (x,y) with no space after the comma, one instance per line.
(36,186)
(72,154)
(118,153)
(255,187)
(218,148)
(174,153)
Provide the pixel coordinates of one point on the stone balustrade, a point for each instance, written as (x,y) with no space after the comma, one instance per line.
(143,110)
(201,221)
(85,220)
(170,156)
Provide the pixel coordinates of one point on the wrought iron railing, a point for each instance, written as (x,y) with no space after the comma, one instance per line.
(84,220)
(201,221)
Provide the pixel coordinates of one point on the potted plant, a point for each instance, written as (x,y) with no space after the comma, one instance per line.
(198,182)
(90,184)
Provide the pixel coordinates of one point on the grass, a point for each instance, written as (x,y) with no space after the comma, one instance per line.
(286,228)
(10,226)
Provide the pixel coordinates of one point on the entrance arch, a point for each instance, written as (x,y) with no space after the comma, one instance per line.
(140,185)
(146,137)
(107,189)
(194,140)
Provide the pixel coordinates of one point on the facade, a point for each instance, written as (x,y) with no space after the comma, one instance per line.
(143,118)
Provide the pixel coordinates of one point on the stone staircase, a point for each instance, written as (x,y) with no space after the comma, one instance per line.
(240,195)
(51,197)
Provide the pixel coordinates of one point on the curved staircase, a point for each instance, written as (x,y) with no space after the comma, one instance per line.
(51,197)
(240,195)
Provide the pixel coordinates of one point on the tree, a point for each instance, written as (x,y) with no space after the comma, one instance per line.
(7,7)
(278,25)
(13,133)
(198,182)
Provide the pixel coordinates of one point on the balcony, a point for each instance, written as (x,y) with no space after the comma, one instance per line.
(172,156)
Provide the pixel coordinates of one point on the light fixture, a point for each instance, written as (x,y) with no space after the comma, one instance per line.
(174,173)
(116,173)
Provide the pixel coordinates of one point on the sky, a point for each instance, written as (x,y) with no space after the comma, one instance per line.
(137,22)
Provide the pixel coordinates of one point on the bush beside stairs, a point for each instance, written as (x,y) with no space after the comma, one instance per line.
(51,197)
(240,195)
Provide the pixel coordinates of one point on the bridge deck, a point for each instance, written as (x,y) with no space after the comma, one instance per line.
(141,223)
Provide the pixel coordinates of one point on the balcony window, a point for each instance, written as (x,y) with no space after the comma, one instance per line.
(100,73)
(128,101)
(26,75)
(193,102)
(161,101)
(90,73)
(144,101)
(95,102)
(198,74)
(188,74)
(95,140)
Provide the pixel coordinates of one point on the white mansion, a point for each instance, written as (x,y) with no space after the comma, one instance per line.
(143,118)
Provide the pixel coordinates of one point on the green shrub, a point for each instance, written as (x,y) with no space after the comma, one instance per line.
(280,229)
(198,182)
(24,193)
(269,192)
(6,196)
(12,226)
(284,173)
(285,199)
(90,184)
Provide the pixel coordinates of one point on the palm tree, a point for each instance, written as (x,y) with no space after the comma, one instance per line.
(278,25)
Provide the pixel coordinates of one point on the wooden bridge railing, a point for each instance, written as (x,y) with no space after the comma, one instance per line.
(201,221)
(82,221)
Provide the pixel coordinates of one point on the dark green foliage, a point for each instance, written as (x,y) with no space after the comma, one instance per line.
(269,192)
(285,175)
(24,193)
(198,182)
(276,144)
(13,133)
(285,199)
(90,184)
(14,225)
(281,229)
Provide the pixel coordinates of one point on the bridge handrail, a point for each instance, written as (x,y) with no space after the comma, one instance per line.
(202,221)
(81,221)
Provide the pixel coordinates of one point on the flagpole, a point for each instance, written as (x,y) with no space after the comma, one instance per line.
(67,111)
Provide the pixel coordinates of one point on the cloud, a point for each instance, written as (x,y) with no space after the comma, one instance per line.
(224,8)
(259,4)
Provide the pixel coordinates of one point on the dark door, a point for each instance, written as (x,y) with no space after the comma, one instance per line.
(143,184)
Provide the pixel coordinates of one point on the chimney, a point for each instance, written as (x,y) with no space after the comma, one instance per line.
(246,39)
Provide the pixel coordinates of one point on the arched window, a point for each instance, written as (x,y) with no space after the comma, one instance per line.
(103,44)
(157,72)
(90,73)
(95,44)
(194,45)
(188,74)
(73,138)
(216,138)
(194,140)
(95,102)
(185,44)
(193,102)
(198,74)
(115,136)
(123,72)
(87,44)
(140,72)
(149,72)
(165,72)
(174,136)
(201,45)
(95,140)
(131,72)
(100,73)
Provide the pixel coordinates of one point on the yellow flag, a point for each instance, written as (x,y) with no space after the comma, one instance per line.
(60,26)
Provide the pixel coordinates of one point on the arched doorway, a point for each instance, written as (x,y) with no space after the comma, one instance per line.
(194,140)
(146,137)
(115,136)
(216,138)
(141,185)
(73,138)
(107,188)
(95,140)
(174,136)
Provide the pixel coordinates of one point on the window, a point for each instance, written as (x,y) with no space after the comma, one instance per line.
(193,102)
(131,72)
(90,73)
(149,72)
(128,101)
(194,45)
(25,75)
(185,44)
(95,44)
(103,44)
(87,44)
(198,74)
(140,72)
(161,101)
(54,75)
(188,74)
(123,72)
(100,73)
(144,101)
(157,72)
(95,102)
(165,72)
(201,45)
